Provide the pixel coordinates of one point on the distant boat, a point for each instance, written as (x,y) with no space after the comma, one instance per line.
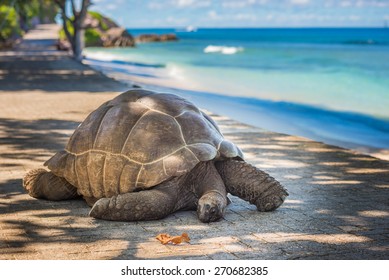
(191,28)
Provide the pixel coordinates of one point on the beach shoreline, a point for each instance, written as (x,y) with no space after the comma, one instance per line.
(325,85)
(264,114)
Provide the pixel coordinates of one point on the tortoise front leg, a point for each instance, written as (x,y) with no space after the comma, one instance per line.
(137,206)
(251,184)
(211,191)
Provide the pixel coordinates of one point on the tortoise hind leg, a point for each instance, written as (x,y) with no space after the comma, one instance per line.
(40,183)
(136,206)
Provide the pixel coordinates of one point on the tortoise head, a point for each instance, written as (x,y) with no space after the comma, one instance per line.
(211,206)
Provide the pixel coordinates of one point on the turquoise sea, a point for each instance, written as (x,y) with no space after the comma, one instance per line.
(328,84)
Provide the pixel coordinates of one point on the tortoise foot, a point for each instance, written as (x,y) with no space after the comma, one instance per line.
(100,209)
(270,202)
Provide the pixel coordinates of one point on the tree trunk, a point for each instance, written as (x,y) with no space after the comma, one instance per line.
(79,43)
(77,38)
(79,28)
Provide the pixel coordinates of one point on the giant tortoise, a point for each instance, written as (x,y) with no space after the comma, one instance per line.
(145,155)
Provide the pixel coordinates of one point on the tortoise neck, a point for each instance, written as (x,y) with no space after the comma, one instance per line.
(204,178)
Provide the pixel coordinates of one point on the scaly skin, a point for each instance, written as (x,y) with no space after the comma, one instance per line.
(251,184)
(208,186)
(202,188)
(137,206)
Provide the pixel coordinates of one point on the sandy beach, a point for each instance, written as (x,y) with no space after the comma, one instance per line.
(337,208)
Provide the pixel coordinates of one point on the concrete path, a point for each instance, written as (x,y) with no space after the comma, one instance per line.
(338,206)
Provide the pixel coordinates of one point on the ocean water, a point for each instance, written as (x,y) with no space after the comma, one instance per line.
(326,84)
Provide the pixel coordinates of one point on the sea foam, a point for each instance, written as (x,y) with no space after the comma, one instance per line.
(222,49)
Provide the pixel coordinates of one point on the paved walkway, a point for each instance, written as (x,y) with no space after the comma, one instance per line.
(338,206)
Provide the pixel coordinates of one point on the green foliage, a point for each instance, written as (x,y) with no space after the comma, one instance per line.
(29,9)
(17,15)
(62,34)
(100,18)
(92,37)
(10,23)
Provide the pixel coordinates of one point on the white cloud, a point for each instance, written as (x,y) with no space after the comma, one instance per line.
(213,15)
(234,4)
(359,3)
(328,3)
(155,5)
(378,3)
(159,5)
(191,3)
(108,1)
(354,18)
(111,7)
(249,17)
(184,3)
(171,19)
(364,3)
(300,2)
(176,20)
(242,3)
(346,4)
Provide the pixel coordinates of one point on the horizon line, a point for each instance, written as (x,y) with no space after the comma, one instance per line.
(262,27)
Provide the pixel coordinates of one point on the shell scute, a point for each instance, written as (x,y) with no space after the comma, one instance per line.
(119,120)
(129,176)
(84,185)
(154,136)
(169,104)
(196,129)
(180,162)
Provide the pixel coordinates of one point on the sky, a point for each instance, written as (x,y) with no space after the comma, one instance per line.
(245,13)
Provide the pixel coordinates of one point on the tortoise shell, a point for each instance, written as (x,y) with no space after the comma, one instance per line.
(136,141)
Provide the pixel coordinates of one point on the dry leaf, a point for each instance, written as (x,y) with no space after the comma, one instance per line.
(165,238)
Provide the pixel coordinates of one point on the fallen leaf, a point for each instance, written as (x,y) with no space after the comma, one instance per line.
(165,238)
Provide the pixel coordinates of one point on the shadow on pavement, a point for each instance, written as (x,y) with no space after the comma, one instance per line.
(33,140)
(51,72)
(337,209)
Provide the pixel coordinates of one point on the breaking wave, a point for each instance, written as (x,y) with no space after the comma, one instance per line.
(222,49)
